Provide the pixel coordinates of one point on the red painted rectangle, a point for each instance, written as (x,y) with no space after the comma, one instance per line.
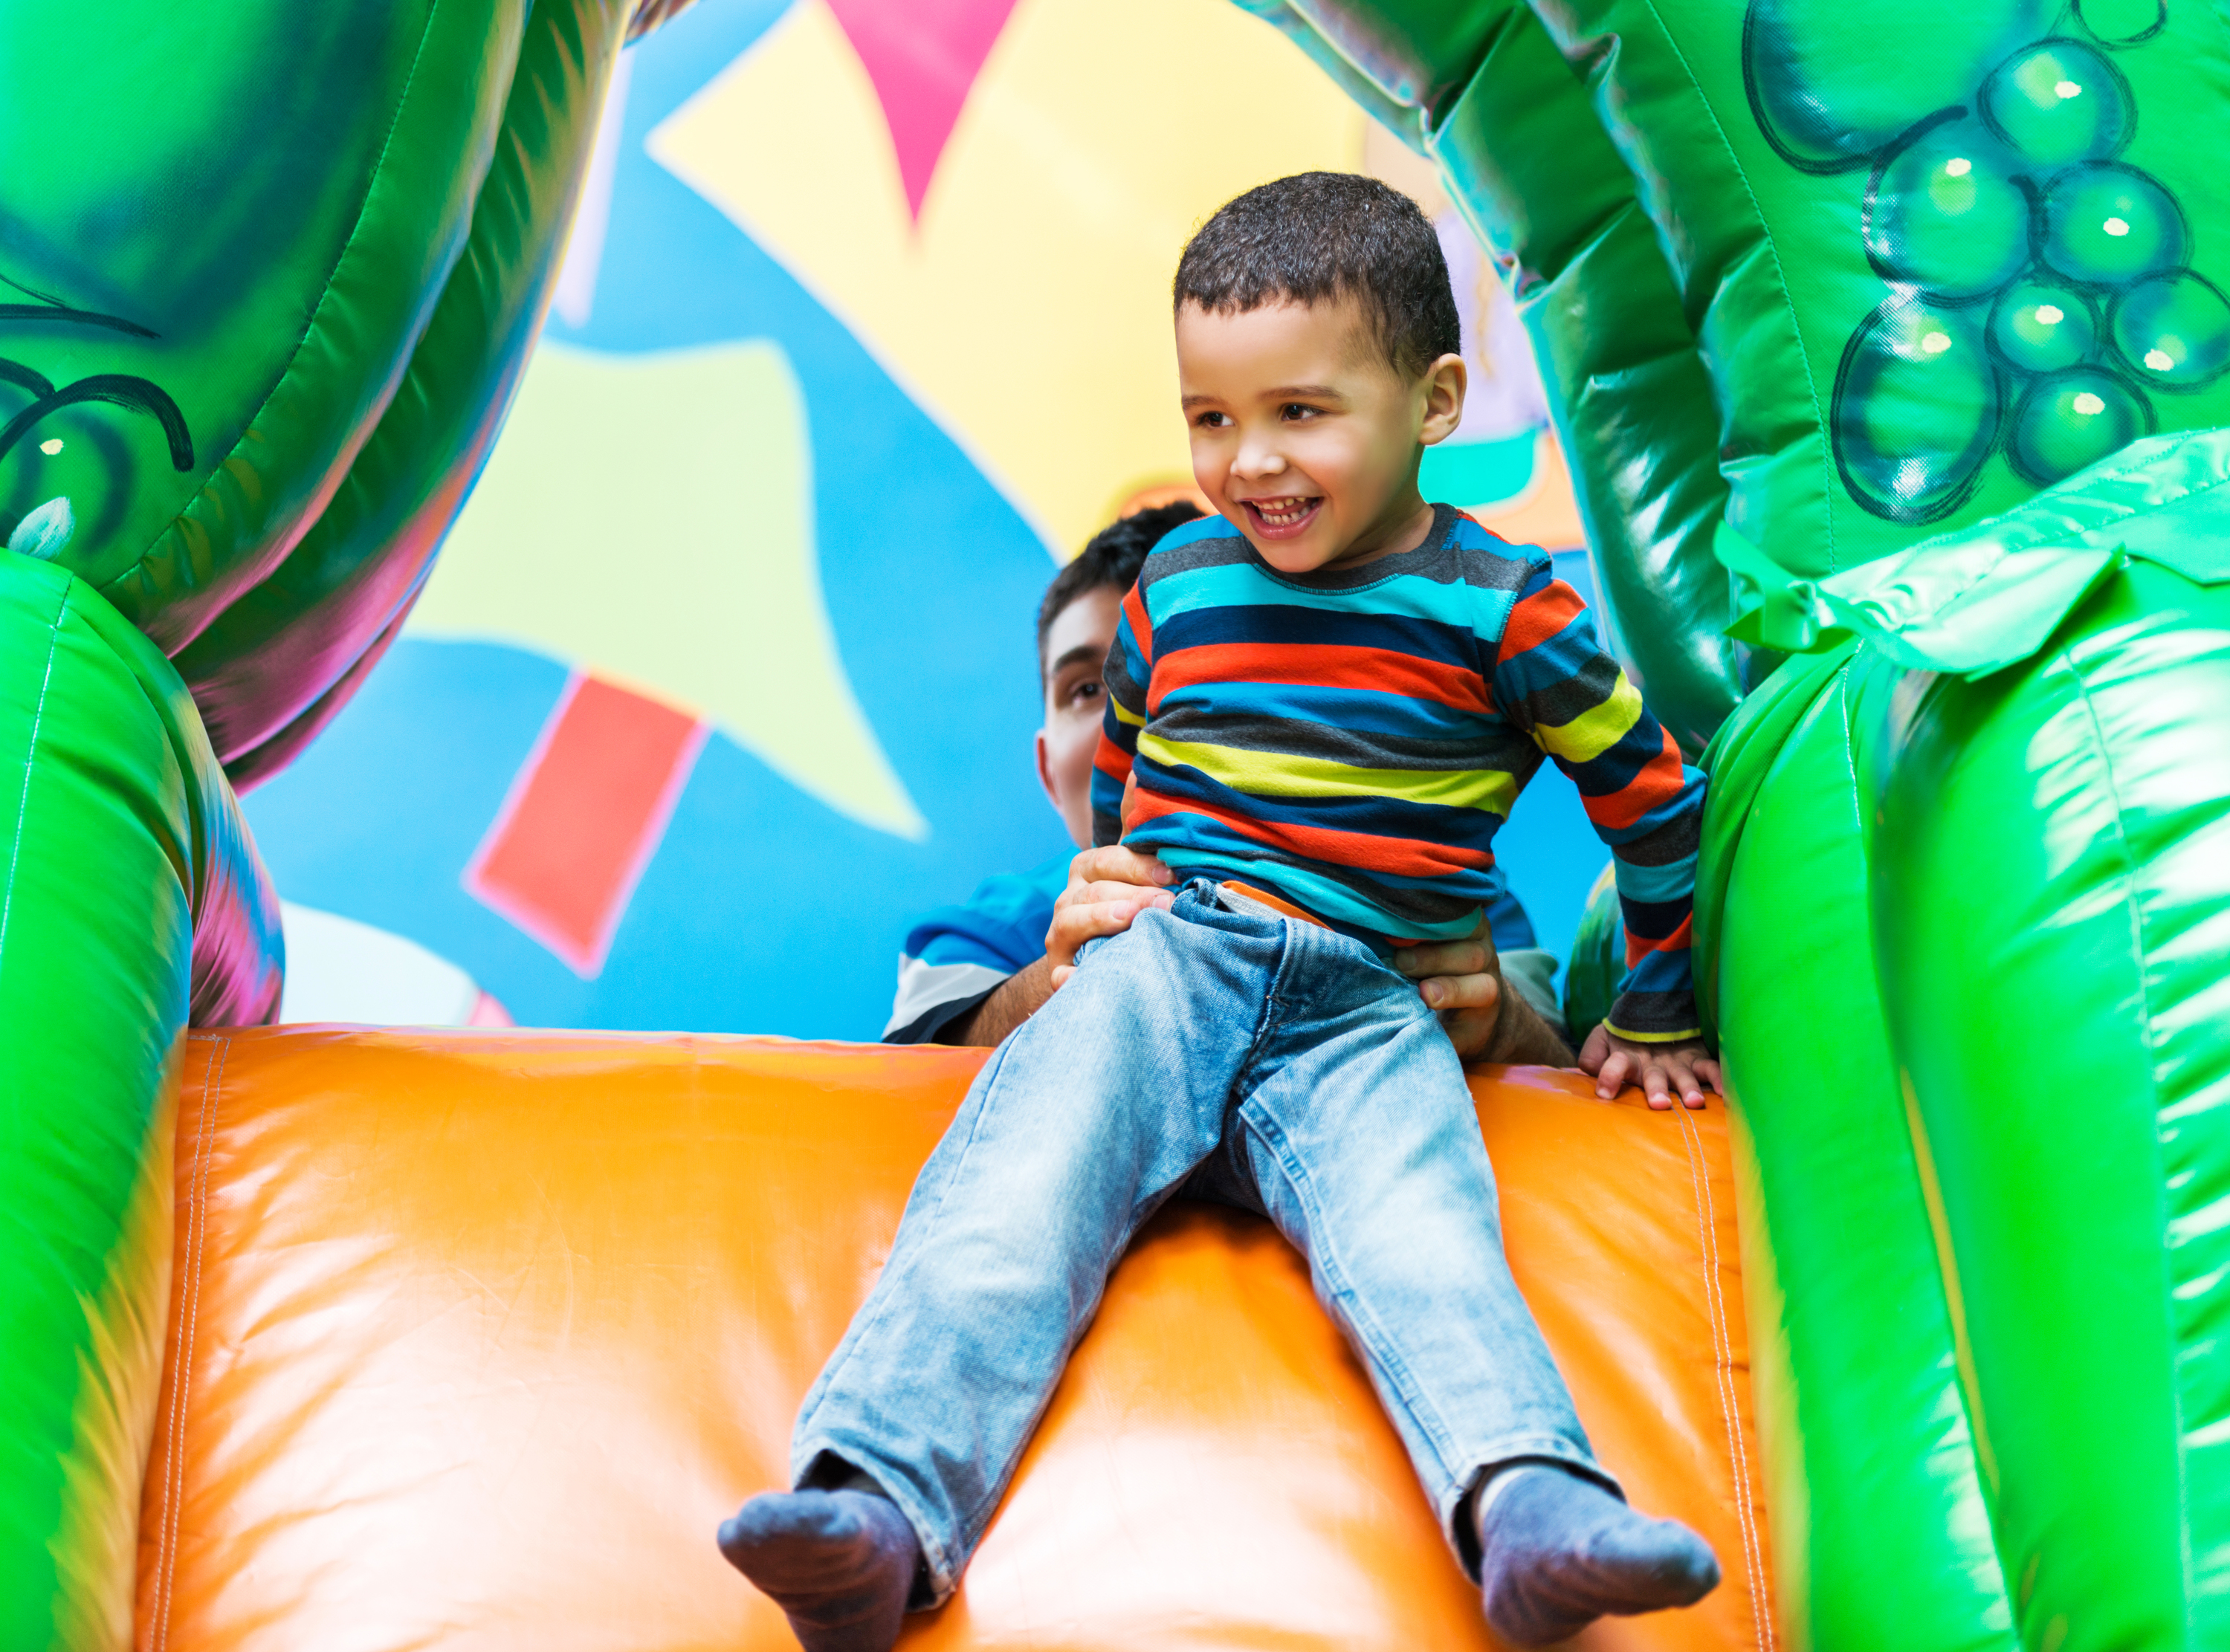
(583,817)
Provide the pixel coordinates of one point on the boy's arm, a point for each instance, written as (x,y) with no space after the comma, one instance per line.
(1126,673)
(1553,679)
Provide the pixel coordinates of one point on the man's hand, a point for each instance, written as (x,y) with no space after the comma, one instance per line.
(1107,888)
(1660,1069)
(1486,1021)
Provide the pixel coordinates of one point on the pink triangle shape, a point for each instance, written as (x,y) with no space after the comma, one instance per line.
(922,56)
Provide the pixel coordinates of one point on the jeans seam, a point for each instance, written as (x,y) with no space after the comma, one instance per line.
(977,1520)
(1324,1256)
(859,1334)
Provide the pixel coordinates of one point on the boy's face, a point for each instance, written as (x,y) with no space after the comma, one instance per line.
(1303,434)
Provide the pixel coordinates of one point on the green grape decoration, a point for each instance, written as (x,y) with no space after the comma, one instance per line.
(2039,289)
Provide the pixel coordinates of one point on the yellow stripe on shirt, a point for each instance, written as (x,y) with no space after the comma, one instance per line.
(1277,773)
(1589,734)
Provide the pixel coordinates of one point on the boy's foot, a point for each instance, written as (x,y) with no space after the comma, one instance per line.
(840,1563)
(1557,1551)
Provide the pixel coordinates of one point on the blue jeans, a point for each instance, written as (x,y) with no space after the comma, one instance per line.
(1256,1060)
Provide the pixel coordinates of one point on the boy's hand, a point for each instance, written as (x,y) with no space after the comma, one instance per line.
(1107,888)
(1660,1069)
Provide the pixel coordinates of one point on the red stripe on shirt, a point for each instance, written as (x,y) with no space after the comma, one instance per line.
(1318,665)
(1657,784)
(1110,759)
(1637,948)
(1540,618)
(1142,629)
(1365,852)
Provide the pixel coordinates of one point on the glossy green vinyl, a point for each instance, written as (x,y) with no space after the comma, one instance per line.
(258,330)
(267,670)
(1936,259)
(1880,1534)
(2054,910)
(132,897)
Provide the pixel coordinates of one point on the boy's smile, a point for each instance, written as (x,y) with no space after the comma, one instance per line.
(1305,437)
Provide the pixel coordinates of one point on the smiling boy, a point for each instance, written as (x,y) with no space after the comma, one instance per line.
(1322,703)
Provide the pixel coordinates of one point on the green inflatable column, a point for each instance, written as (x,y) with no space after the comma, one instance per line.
(119,844)
(1881,1537)
(2053,904)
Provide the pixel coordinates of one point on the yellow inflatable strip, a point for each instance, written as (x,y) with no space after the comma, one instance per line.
(1592,733)
(1272,773)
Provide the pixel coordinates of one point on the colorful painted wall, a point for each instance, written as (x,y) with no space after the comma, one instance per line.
(727,670)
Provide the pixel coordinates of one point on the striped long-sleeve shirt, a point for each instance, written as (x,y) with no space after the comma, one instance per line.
(1354,739)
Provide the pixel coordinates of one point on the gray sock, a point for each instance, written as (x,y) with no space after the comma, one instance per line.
(840,1563)
(1557,1551)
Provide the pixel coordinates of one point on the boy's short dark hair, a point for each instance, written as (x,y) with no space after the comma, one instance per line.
(1112,558)
(1317,237)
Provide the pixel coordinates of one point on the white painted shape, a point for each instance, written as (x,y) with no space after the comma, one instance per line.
(574,295)
(338,969)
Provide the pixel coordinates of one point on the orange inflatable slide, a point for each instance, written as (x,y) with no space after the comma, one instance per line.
(476,1337)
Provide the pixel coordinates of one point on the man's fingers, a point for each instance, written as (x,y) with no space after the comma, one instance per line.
(1098,893)
(1113,864)
(1443,957)
(1461,991)
(1082,921)
(1087,919)
(1470,1031)
(1061,974)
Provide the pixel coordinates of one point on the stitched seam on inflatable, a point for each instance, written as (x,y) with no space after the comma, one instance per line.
(1773,251)
(325,298)
(30,762)
(1723,1360)
(182,1358)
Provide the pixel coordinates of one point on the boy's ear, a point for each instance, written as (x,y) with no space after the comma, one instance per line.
(1444,383)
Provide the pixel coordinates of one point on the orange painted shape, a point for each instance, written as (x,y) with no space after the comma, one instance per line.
(584,818)
(477,1336)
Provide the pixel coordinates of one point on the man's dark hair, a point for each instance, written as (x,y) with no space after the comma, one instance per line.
(1111,558)
(1317,237)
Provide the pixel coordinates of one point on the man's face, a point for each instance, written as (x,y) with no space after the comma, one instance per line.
(1303,436)
(1076,648)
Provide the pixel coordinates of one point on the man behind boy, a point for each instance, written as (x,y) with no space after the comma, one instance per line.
(1322,705)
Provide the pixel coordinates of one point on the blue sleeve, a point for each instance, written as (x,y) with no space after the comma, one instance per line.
(956,956)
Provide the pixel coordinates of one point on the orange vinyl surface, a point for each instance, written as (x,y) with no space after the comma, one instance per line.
(478,1335)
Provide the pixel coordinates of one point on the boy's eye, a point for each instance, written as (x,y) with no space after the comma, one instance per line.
(1296,410)
(1089,689)
(1212,421)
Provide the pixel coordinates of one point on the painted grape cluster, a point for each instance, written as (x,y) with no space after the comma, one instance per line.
(2041,288)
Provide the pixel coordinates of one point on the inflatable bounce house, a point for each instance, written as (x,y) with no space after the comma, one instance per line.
(1888,349)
